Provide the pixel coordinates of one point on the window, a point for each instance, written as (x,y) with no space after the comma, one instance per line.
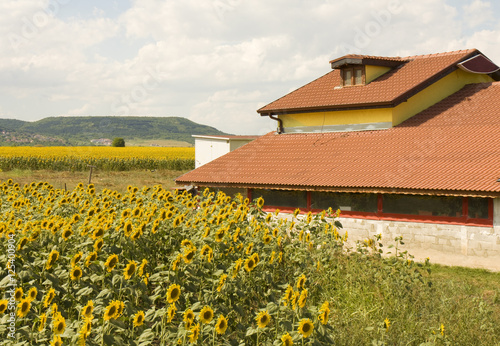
(353,76)
(282,198)
(357,202)
(478,208)
(423,205)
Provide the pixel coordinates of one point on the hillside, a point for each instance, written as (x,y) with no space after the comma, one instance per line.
(81,130)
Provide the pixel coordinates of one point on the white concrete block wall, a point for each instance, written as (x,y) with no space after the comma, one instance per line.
(442,243)
(207,149)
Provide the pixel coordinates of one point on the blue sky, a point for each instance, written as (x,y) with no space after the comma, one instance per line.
(212,61)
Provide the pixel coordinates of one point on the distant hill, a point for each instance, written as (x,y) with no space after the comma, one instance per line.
(81,130)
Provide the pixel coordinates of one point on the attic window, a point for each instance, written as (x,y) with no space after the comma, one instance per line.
(353,76)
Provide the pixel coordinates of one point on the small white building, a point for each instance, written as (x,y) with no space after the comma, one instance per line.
(208,148)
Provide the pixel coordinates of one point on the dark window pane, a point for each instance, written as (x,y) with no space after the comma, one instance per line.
(422,205)
(364,202)
(347,77)
(282,198)
(358,76)
(478,208)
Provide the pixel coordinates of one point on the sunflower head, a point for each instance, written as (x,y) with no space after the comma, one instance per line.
(287,340)
(76,273)
(23,307)
(129,269)
(98,244)
(48,298)
(111,262)
(301,281)
(306,327)
(195,333)
(263,319)
(139,318)
(249,264)
(53,256)
(3,305)
(43,320)
(59,324)
(173,293)
(189,254)
(221,325)
(32,293)
(18,294)
(88,309)
(57,341)
(206,314)
(188,316)
(111,311)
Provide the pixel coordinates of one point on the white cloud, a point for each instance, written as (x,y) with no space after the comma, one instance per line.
(214,61)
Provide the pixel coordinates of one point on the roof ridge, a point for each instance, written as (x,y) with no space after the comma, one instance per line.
(432,55)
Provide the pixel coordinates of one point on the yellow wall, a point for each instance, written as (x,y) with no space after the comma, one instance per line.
(373,72)
(435,93)
(337,117)
(424,99)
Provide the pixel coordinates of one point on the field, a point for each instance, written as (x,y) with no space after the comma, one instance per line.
(102,158)
(126,260)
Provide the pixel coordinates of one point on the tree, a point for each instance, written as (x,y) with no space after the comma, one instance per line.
(118,142)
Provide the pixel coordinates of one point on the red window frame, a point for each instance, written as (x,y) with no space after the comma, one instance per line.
(380,215)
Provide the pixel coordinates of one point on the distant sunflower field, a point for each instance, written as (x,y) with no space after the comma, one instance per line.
(103,158)
(158,267)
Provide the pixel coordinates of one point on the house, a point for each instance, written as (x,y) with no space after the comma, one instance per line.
(404,146)
(208,148)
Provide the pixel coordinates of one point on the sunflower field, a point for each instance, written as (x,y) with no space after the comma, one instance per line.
(151,266)
(103,158)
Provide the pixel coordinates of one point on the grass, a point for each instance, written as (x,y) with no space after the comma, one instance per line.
(101,179)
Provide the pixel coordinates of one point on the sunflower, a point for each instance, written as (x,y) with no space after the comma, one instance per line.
(249,264)
(301,281)
(111,262)
(92,257)
(120,307)
(266,239)
(221,325)
(189,254)
(136,233)
(188,316)
(305,327)
(57,341)
(23,307)
(205,250)
(176,262)
(66,233)
(18,294)
(173,293)
(128,228)
(141,267)
(206,314)
(171,312)
(53,256)
(295,299)
(76,273)
(288,295)
(3,305)
(256,258)
(260,202)
(222,280)
(195,332)
(129,269)
(287,340)
(237,267)
(303,298)
(85,331)
(263,319)
(111,311)
(273,255)
(22,243)
(48,298)
(387,323)
(139,318)
(88,309)
(43,320)
(323,315)
(98,244)
(32,293)
(98,233)
(59,324)
(219,235)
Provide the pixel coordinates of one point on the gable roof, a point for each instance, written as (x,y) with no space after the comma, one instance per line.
(413,74)
(451,148)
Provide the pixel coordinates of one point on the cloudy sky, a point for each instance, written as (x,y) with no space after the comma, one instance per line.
(212,61)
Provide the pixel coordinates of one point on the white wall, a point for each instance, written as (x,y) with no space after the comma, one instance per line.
(208,149)
(496,213)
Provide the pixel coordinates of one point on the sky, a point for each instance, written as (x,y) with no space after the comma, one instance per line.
(214,62)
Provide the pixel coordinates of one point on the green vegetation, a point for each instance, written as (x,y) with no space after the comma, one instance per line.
(79,130)
(118,142)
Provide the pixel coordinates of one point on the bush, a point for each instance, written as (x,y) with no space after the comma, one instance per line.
(118,142)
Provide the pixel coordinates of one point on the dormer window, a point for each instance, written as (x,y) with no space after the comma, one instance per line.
(353,76)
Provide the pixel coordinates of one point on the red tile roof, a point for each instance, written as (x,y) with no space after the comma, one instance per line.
(452,148)
(390,89)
